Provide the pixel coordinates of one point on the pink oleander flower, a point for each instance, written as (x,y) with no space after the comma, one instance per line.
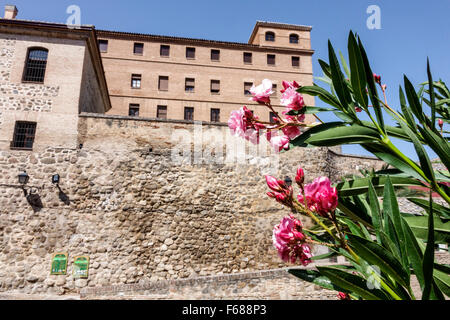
(292,100)
(275,184)
(300,177)
(377,78)
(343,296)
(358,109)
(384,87)
(320,196)
(242,123)
(287,85)
(290,241)
(262,93)
(277,142)
(297,119)
(291,132)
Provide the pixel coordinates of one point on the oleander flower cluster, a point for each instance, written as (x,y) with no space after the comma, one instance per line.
(318,198)
(285,126)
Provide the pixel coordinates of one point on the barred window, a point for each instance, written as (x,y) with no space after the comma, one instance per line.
(215,86)
(293,38)
(138,48)
(189,85)
(24,133)
(133,111)
(190,53)
(35,65)
(270,36)
(215,115)
(247,87)
(136,81)
(189,113)
(103,45)
(164,51)
(248,57)
(271,59)
(296,62)
(215,55)
(163,83)
(161,112)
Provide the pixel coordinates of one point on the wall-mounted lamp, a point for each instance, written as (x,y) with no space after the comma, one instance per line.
(23,178)
(55,179)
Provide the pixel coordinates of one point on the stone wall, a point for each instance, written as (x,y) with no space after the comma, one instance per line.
(139,215)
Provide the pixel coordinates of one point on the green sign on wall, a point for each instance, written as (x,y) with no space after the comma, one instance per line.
(81,267)
(59,264)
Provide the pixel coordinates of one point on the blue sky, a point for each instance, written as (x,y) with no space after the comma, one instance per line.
(410,31)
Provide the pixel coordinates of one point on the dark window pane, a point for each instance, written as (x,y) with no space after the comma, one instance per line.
(190,53)
(271,59)
(161,112)
(270,36)
(215,86)
(190,85)
(103,45)
(24,133)
(215,55)
(165,51)
(138,48)
(272,117)
(163,84)
(247,87)
(248,57)
(293,38)
(133,110)
(189,113)
(35,65)
(215,115)
(275,90)
(136,81)
(296,61)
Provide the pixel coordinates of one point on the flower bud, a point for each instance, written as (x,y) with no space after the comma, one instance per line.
(274,184)
(441,123)
(300,178)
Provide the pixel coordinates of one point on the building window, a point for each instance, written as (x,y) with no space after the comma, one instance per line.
(248,58)
(163,84)
(215,86)
(296,62)
(270,36)
(275,90)
(190,53)
(138,48)
(161,112)
(272,117)
(35,65)
(24,133)
(136,81)
(215,55)
(293,38)
(133,111)
(247,87)
(271,59)
(215,115)
(103,45)
(164,51)
(189,113)
(189,85)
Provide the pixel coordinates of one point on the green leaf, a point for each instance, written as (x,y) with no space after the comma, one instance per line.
(325,68)
(352,283)
(343,116)
(361,185)
(323,95)
(353,211)
(324,256)
(437,208)
(442,280)
(301,140)
(415,255)
(339,83)
(438,144)
(406,112)
(432,96)
(413,100)
(375,254)
(375,211)
(344,65)
(353,134)
(308,110)
(373,93)
(315,277)
(419,226)
(390,207)
(358,75)
(428,259)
